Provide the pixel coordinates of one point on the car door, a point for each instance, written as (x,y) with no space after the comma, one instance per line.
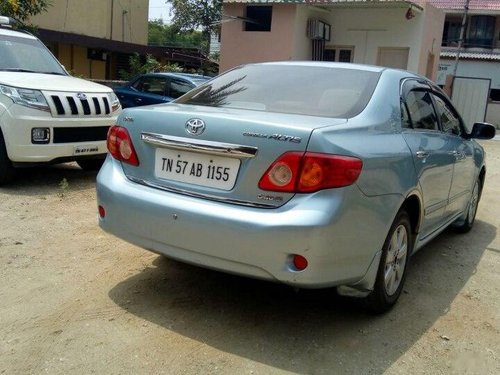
(144,91)
(431,152)
(464,170)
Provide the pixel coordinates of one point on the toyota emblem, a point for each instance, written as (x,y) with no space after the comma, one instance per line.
(81,96)
(195,126)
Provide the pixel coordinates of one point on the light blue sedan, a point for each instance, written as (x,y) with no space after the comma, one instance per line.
(311,174)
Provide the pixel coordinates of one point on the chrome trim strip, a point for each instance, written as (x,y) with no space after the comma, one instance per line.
(198,195)
(206,147)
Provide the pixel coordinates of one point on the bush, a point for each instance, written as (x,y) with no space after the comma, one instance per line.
(139,65)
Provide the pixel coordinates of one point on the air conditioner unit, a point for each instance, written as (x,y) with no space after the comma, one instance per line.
(317,29)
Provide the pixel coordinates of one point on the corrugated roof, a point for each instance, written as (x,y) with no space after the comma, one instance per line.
(460,4)
(451,54)
(321,2)
(338,3)
(442,4)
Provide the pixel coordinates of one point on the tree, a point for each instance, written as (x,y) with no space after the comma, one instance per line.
(160,34)
(194,14)
(22,10)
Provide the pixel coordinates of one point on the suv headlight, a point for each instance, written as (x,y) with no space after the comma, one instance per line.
(115,102)
(26,97)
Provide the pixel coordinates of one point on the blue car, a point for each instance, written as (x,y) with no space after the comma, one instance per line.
(157,88)
(331,179)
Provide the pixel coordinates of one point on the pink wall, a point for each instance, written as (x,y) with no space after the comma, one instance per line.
(258,46)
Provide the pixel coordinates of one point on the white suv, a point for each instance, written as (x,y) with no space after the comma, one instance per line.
(47,116)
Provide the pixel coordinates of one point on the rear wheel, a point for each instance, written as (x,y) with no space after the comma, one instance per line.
(90,164)
(393,265)
(6,168)
(471,210)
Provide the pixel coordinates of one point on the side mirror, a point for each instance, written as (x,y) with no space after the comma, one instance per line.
(482,130)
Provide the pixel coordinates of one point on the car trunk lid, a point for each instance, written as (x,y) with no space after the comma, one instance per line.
(214,153)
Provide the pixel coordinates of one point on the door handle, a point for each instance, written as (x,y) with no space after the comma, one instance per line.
(422,154)
(138,100)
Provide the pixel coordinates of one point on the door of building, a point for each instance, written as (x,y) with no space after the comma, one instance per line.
(470,96)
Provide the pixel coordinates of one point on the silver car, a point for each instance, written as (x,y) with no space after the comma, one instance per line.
(310,174)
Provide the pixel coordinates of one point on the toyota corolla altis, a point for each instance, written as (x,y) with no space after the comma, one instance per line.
(311,174)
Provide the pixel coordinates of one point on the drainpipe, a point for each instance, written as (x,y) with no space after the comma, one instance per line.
(112,9)
(124,13)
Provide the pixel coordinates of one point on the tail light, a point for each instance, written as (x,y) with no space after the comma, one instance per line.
(120,145)
(298,172)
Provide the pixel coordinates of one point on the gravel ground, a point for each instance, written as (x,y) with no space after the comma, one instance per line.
(74,299)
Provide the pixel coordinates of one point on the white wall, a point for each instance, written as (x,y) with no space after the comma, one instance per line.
(475,69)
(493,114)
(367,29)
(471,68)
(302,44)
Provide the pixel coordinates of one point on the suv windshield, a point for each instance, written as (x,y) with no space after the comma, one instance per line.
(27,55)
(307,90)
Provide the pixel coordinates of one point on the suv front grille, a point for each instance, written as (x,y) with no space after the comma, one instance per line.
(78,104)
(90,134)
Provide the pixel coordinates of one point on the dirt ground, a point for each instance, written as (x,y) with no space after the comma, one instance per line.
(74,299)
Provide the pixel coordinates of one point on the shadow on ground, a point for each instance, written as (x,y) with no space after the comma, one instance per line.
(308,331)
(46,180)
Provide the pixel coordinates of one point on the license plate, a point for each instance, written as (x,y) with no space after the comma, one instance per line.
(84,150)
(195,168)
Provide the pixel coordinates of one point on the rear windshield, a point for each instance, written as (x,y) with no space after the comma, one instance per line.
(26,54)
(305,90)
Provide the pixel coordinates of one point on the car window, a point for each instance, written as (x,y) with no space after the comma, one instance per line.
(450,122)
(405,118)
(27,54)
(327,92)
(151,85)
(421,110)
(179,87)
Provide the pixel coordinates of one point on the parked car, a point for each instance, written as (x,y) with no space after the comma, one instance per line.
(157,88)
(47,116)
(332,179)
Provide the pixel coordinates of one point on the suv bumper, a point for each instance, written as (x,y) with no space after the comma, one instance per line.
(17,123)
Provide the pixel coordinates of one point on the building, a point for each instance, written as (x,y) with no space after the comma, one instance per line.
(394,33)
(478,68)
(95,38)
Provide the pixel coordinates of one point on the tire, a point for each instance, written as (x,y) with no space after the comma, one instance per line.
(466,226)
(90,164)
(393,265)
(6,168)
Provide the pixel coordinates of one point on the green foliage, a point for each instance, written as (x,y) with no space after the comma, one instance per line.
(22,10)
(215,56)
(194,14)
(63,187)
(160,34)
(139,65)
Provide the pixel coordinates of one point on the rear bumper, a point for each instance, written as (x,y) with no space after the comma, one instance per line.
(337,230)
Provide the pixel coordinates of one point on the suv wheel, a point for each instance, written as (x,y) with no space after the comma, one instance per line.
(90,164)
(6,168)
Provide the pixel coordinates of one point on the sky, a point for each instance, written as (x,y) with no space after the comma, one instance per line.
(159,9)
